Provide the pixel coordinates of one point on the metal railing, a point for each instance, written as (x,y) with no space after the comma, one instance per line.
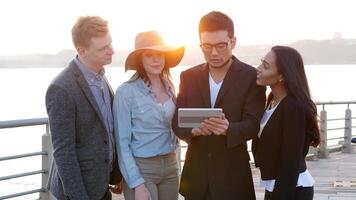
(322,151)
(46,153)
(344,144)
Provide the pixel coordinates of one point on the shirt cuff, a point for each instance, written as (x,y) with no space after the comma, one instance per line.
(136,183)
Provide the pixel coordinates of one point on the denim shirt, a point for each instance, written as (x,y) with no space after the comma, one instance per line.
(141,128)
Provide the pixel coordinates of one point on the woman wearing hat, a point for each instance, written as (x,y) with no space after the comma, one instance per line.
(143,110)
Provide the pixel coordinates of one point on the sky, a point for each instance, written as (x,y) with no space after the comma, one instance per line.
(43,26)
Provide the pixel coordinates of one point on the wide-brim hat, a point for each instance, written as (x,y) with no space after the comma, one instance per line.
(152,40)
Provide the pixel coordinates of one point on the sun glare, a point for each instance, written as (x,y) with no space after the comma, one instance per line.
(179,37)
(177,21)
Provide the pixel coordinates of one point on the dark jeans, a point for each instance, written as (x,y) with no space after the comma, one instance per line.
(302,193)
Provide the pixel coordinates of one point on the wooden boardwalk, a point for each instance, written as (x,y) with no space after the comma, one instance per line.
(338,167)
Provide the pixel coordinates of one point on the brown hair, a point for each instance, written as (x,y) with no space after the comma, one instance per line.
(216,21)
(88,27)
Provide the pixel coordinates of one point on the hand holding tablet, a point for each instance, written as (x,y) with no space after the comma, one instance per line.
(193,117)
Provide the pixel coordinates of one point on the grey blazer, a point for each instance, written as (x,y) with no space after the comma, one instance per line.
(80,168)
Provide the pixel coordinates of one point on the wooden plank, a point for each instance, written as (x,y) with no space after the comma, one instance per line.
(343,183)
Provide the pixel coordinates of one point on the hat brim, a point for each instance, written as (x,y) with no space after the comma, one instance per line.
(173,56)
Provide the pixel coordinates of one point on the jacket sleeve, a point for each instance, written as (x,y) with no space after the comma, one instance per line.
(123,134)
(61,113)
(293,137)
(254,147)
(252,112)
(182,133)
(115,176)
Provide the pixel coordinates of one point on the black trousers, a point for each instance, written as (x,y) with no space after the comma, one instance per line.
(207,196)
(302,193)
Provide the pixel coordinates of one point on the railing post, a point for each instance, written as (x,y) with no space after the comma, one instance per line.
(323,149)
(313,152)
(46,161)
(347,146)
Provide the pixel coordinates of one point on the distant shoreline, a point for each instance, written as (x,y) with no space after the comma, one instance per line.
(336,51)
(47,67)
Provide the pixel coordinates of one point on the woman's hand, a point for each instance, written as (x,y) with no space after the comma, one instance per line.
(117,189)
(142,193)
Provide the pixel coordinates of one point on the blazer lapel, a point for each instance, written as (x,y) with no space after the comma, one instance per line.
(87,92)
(273,118)
(203,80)
(230,79)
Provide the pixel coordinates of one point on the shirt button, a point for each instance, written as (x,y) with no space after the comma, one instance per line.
(106,161)
(105,142)
(209,155)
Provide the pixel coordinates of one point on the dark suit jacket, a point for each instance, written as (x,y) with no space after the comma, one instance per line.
(220,164)
(80,169)
(280,151)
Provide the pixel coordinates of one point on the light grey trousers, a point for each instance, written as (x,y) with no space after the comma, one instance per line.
(161,174)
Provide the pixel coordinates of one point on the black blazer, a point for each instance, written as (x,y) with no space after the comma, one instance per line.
(220,163)
(280,151)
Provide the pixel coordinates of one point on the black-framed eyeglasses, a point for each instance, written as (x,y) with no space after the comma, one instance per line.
(219,47)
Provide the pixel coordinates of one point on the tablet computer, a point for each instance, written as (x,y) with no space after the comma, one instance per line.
(193,117)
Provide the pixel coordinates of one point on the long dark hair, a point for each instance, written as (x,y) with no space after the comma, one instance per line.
(290,64)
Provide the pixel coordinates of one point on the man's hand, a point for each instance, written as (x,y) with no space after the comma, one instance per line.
(117,189)
(202,131)
(216,125)
(142,193)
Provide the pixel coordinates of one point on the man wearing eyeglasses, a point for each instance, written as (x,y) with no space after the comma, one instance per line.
(217,161)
